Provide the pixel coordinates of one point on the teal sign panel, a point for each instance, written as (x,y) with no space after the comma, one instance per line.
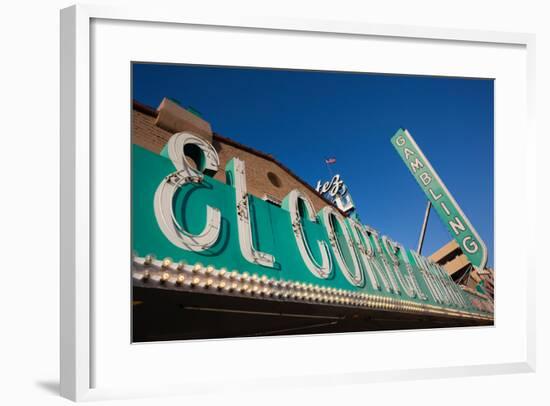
(445,205)
(385,270)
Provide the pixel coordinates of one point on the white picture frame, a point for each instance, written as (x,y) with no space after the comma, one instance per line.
(78,349)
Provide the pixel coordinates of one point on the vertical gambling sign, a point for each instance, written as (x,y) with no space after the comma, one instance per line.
(445,205)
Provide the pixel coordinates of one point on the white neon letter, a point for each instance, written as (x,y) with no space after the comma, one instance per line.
(432,279)
(391,249)
(183,175)
(292,203)
(366,252)
(384,260)
(328,216)
(236,173)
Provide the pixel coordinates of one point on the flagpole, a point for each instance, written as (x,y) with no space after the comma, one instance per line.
(328,167)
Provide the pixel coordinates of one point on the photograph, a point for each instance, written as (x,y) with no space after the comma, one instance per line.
(273,202)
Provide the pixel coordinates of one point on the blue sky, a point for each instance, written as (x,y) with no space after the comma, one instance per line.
(301,117)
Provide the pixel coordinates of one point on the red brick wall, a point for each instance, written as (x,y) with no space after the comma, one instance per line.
(153,138)
(146,134)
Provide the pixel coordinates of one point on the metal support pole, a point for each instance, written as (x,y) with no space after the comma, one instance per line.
(424,225)
(329,170)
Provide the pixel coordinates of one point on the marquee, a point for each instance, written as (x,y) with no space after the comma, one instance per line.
(193,232)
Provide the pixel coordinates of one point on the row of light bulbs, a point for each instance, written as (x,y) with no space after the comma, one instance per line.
(197,276)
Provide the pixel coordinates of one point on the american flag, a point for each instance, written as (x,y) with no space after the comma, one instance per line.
(330,160)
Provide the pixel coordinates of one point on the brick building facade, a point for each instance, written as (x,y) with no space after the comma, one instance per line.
(266,178)
(457,265)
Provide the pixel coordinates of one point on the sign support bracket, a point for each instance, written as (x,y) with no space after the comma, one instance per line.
(424,226)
